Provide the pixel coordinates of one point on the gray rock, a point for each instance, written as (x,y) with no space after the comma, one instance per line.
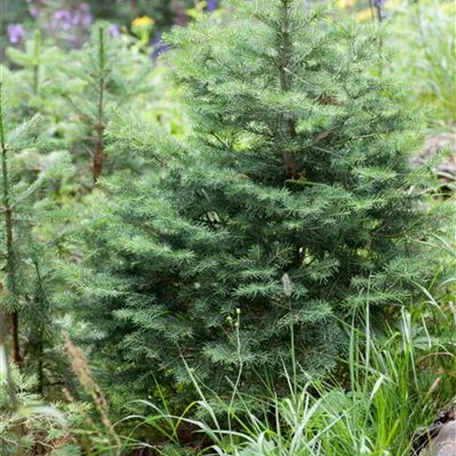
(444,444)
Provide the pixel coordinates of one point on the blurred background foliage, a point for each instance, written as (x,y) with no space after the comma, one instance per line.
(420,32)
(418,35)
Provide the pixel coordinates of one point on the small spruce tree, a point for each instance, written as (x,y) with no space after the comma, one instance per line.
(110,71)
(290,207)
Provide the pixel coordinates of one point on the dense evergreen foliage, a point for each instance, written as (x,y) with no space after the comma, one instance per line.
(291,206)
(27,264)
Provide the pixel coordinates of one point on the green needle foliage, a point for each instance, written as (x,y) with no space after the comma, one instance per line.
(24,267)
(292,205)
(111,72)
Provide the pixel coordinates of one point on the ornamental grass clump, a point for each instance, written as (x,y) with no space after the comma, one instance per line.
(297,173)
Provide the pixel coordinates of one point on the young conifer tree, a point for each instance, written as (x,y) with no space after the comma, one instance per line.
(110,71)
(290,208)
(74,92)
(25,307)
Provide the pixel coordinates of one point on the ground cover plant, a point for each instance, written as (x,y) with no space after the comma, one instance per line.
(230,241)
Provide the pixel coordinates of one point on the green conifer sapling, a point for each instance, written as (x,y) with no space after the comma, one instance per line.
(297,174)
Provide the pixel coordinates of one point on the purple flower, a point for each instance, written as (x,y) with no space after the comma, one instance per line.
(33,12)
(64,18)
(211,5)
(79,17)
(379,7)
(16,33)
(85,16)
(86,19)
(113,30)
(63,14)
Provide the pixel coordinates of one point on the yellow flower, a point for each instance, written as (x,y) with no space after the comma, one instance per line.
(142,28)
(143,21)
(364,15)
(345,4)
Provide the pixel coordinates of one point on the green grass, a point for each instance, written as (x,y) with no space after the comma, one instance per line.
(394,384)
(424,34)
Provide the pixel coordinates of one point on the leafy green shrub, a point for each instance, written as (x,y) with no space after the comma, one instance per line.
(164,13)
(290,207)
